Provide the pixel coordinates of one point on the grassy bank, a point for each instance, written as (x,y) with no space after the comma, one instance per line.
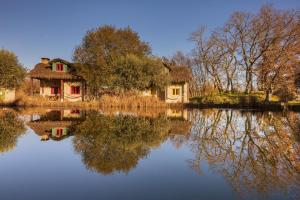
(104,102)
(244,101)
(224,100)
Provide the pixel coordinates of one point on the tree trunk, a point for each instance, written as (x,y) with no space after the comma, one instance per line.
(31,87)
(267,99)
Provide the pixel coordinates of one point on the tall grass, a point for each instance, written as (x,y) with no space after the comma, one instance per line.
(106,101)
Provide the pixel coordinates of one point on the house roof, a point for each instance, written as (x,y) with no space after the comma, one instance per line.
(180,74)
(44,127)
(44,71)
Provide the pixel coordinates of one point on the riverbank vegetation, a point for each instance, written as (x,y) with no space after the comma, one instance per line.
(124,101)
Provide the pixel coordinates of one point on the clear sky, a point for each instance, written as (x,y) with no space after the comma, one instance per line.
(37,28)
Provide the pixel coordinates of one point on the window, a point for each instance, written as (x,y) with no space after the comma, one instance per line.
(55,90)
(59,132)
(75,89)
(75,111)
(175,111)
(59,67)
(176,91)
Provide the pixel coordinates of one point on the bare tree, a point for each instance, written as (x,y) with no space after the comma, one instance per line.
(207,57)
(277,67)
(261,49)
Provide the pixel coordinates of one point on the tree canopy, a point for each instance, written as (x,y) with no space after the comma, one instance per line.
(12,72)
(132,72)
(117,58)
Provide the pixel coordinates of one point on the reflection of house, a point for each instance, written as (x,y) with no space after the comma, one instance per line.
(180,126)
(55,130)
(74,113)
(58,80)
(180,123)
(55,124)
(177,113)
(7,95)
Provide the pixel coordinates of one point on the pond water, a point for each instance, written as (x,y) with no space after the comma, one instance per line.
(149,154)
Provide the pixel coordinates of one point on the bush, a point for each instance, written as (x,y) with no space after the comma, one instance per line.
(230,99)
(286,94)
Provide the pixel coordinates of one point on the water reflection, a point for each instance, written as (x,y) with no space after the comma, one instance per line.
(55,124)
(111,142)
(116,143)
(254,152)
(11,127)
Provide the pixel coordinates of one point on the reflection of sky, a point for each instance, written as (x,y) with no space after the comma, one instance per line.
(50,170)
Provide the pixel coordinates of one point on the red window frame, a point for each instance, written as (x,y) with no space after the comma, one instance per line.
(59,132)
(75,89)
(55,90)
(75,111)
(59,67)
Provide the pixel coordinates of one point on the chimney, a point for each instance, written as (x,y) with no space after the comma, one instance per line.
(45,60)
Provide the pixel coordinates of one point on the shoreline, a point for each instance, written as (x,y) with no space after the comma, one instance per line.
(272,106)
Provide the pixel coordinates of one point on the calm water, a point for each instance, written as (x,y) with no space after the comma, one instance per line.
(169,154)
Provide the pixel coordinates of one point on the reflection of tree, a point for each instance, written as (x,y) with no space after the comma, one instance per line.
(10,129)
(255,152)
(116,143)
(179,132)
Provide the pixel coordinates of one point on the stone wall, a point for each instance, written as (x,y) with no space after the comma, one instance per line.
(177,93)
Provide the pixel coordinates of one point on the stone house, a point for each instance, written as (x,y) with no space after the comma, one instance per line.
(178,89)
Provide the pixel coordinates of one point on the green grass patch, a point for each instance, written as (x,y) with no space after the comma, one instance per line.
(294,103)
(233,99)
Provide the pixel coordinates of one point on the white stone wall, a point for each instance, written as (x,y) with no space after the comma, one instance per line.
(67,91)
(182,97)
(45,89)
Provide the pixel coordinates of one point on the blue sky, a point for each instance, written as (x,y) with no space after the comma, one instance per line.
(34,29)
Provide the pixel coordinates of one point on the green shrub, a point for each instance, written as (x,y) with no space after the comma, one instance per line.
(232,99)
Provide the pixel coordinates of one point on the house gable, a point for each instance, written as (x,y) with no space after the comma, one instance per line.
(60,67)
